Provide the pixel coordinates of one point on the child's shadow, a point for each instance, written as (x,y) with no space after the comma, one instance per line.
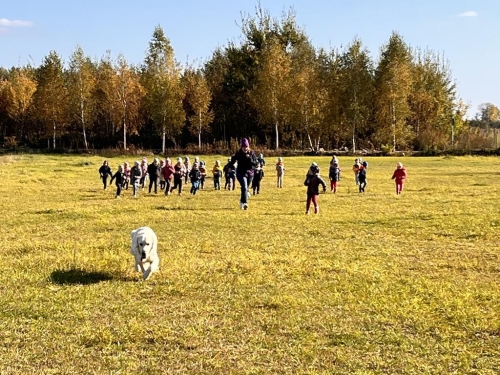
(78,276)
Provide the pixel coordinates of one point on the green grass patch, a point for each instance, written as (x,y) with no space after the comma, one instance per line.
(374,284)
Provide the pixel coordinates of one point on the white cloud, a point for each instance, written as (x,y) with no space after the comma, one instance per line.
(469,13)
(15,23)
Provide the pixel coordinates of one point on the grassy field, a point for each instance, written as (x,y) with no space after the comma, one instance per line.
(374,284)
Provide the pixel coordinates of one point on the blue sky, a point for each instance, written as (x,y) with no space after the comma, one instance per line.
(463,31)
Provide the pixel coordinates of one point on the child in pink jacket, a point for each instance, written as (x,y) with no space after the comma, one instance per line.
(399,177)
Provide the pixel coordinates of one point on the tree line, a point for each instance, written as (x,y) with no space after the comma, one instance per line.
(274,87)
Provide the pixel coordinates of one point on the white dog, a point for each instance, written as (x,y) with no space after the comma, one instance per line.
(144,249)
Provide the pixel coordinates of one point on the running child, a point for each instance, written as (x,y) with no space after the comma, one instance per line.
(362,177)
(179,174)
(126,172)
(119,178)
(312,182)
(195,177)
(258,174)
(217,173)
(168,174)
(334,176)
(230,175)
(280,172)
(399,177)
(203,172)
(144,171)
(135,177)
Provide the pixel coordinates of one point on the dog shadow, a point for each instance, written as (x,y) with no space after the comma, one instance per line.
(78,276)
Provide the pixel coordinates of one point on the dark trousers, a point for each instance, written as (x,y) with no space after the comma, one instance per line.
(256,186)
(177,184)
(118,189)
(362,185)
(216,182)
(230,183)
(153,181)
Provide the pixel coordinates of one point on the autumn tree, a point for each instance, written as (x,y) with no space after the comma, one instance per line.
(197,100)
(81,83)
(393,84)
(103,103)
(270,95)
(127,94)
(489,113)
(50,95)
(432,101)
(215,71)
(19,94)
(161,77)
(356,84)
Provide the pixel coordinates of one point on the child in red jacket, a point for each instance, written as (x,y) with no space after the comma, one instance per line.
(399,176)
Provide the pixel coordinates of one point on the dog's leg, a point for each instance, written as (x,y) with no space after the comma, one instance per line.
(147,273)
(155,265)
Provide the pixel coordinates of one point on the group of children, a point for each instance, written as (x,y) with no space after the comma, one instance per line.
(171,177)
(314,181)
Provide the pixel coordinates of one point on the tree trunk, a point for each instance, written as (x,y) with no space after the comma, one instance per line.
(393,128)
(54,137)
(354,139)
(124,134)
(199,132)
(83,127)
(310,141)
(277,135)
(164,133)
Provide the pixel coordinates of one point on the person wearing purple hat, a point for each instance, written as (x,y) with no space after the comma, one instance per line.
(245,161)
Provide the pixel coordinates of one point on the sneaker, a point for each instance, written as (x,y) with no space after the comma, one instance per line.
(245,206)
(117,197)
(307,212)
(316,210)
(135,196)
(241,206)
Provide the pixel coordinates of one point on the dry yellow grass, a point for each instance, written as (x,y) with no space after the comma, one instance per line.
(374,284)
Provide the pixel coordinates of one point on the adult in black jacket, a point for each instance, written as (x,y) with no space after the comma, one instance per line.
(245,161)
(154,173)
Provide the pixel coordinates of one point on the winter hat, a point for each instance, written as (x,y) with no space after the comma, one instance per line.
(244,142)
